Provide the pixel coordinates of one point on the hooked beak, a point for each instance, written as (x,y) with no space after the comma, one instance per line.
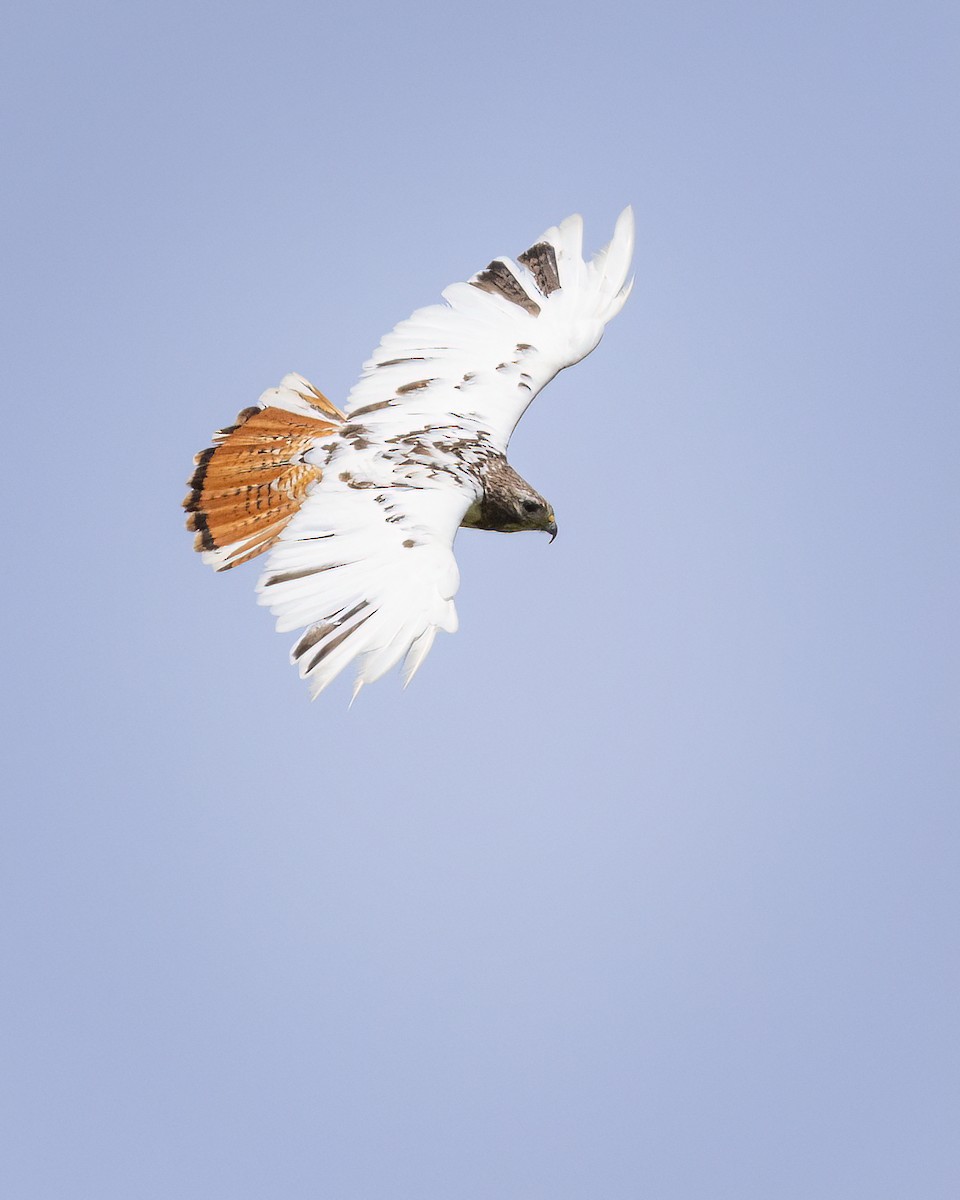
(552,530)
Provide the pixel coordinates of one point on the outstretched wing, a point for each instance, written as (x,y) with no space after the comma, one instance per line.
(368,565)
(483,356)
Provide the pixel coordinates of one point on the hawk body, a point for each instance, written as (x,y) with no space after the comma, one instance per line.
(358,510)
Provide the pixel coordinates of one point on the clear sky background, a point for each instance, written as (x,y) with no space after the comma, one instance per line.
(647,888)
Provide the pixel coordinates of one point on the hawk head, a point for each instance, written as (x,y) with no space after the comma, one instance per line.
(531,512)
(509,504)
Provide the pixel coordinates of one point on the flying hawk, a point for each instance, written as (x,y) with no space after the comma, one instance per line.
(359,509)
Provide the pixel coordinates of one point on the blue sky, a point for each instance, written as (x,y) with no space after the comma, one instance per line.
(647,886)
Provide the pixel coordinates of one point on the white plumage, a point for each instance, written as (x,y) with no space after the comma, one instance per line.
(366,561)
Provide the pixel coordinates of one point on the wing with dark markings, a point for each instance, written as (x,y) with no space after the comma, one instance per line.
(483,355)
(369,571)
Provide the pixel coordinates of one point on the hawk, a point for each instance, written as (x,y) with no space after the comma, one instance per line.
(358,509)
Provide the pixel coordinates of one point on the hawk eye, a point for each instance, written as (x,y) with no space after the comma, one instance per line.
(531,506)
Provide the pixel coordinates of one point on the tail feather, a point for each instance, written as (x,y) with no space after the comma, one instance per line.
(252,480)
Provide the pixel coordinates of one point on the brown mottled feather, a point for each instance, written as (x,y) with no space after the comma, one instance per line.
(541,261)
(319,401)
(253,479)
(499,280)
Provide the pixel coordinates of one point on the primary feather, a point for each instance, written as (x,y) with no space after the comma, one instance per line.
(359,510)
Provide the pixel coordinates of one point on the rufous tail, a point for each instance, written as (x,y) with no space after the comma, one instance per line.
(251,481)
